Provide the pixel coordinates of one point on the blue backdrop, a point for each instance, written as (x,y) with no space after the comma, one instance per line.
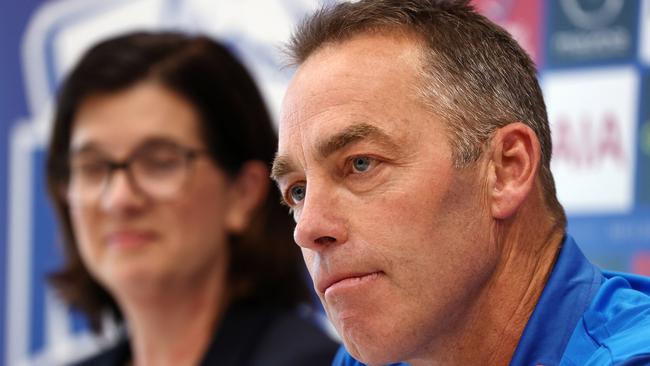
(594,64)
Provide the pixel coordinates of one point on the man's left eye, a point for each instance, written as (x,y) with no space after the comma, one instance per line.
(361,164)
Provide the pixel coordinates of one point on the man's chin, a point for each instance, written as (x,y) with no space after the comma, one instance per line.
(369,347)
(373,355)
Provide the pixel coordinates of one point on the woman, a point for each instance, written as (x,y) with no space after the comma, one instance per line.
(158,169)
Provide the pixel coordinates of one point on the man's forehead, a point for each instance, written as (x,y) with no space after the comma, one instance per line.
(345,88)
(395,43)
(364,56)
(361,69)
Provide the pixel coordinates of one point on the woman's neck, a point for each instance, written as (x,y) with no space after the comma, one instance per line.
(175,325)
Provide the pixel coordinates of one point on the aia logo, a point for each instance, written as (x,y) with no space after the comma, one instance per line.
(588,143)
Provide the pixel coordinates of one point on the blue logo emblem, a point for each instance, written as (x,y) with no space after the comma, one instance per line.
(586,32)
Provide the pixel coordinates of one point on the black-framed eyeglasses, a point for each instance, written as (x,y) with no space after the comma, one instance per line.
(157,169)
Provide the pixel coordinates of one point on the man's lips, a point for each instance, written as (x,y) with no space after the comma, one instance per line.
(129,238)
(332,282)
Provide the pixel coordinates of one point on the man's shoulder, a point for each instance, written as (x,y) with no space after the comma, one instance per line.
(621,307)
(616,328)
(619,318)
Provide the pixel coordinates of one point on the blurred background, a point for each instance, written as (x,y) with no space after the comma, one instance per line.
(594,66)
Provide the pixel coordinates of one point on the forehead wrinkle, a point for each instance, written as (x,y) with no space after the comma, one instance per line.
(352,134)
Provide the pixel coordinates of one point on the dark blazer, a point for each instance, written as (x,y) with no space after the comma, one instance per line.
(251,336)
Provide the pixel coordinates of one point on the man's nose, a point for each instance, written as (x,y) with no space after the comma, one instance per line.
(121,194)
(320,222)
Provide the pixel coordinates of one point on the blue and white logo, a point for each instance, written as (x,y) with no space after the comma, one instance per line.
(644,32)
(592,14)
(586,32)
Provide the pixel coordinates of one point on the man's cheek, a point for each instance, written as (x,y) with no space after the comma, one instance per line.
(310,260)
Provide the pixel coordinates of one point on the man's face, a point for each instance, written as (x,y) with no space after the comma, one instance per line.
(395,238)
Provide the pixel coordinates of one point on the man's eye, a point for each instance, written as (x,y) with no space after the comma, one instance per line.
(361,164)
(297,193)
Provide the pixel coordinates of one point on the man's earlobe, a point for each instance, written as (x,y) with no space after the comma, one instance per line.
(515,157)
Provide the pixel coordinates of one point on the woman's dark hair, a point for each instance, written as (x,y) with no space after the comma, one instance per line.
(265,266)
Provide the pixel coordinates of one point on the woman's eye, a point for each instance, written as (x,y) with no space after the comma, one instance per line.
(297,193)
(361,164)
(160,165)
(92,171)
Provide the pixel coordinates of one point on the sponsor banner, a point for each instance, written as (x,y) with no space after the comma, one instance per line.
(643,180)
(585,32)
(593,123)
(602,150)
(644,32)
(614,242)
(523,19)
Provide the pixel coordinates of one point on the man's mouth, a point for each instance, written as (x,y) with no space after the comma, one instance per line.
(345,280)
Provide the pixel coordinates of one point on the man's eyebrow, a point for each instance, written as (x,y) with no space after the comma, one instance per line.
(351,134)
(283,165)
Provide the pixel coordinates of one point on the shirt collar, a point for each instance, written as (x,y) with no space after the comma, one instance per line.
(571,287)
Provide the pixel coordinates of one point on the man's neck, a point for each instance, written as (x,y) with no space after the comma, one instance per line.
(490,332)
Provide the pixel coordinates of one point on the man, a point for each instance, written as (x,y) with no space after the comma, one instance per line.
(415,152)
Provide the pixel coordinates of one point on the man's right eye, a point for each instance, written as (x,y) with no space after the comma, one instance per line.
(296,193)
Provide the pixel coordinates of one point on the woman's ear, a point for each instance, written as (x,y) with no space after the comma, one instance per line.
(515,157)
(247,193)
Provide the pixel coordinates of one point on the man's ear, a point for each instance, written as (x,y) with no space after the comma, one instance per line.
(247,193)
(514,159)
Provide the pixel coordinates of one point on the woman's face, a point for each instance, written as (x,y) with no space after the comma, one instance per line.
(167,221)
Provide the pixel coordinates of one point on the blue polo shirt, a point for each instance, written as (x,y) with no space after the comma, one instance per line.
(584,317)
